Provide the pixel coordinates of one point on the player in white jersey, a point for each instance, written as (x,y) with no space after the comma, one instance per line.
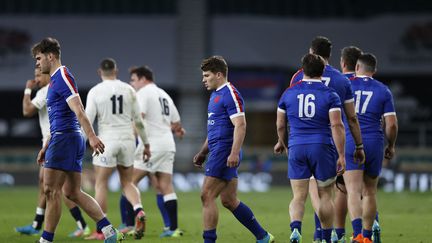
(161,119)
(30,108)
(114,104)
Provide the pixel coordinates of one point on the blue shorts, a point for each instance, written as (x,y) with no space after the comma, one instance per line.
(216,165)
(305,160)
(374,151)
(65,151)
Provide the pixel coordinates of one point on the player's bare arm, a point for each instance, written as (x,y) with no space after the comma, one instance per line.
(77,107)
(338,134)
(239,123)
(281,129)
(41,155)
(354,126)
(199,158)
(29,109)
(391,130)
(178,129)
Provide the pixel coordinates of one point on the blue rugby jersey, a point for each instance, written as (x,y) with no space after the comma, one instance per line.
(373,100)
(61,89)
(225,103)
(306,106)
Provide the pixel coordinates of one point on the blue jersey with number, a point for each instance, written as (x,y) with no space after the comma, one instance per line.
(225,103)
(61,89)
(373,100)
(307,105)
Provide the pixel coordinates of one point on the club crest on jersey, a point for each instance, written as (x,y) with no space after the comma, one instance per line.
(216,99)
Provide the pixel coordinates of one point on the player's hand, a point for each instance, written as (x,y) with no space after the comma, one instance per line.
(389,152)
(359,156)
(147,153)
(198,159)
(41,157)
(233,160)
(97,145)
(31,84)
(180,133)
(340,165)
(279,148)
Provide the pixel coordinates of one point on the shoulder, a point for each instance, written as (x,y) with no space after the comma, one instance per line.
(297,76)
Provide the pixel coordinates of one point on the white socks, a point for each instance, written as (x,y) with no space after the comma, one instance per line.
(108,231)
(169,197)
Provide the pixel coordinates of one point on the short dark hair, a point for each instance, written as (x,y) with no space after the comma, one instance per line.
(313,65)
(349,55)
(321,46)
(143,71)
(215,64)
(108,64)
(369,62)
(47,45)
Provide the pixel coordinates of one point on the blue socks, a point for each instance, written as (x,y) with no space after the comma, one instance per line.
(209,236)
(102,223)
(296,225)
(326,234)
(247,218)
(357,226)
(367,234)
(340,232)
(317,234)
(163,211)
(48,236)
(76,214)
(126,211)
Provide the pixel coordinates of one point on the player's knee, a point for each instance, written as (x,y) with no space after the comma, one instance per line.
(206,198)
(369,191)
(50,192)
(41,181)
(229,202)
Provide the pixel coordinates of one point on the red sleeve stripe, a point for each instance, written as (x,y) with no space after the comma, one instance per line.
(236,98)
(295,76)
(68,80)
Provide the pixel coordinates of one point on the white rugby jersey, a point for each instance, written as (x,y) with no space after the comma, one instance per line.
(39,101)
(114,104)
(159,111)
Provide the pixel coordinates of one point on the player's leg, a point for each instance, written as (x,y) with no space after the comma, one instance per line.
(353,183)
(72,190)
(161,204)
(313,193)
(102,175)
(369,205)
(53,183)
(35,227)
(165,186)
(82,227)
(341,208)
(211,189)
(240,210)
(326,209)
(134,197)
(300,188)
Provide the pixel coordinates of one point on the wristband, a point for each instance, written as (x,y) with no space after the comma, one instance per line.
(27,91)
(359,146)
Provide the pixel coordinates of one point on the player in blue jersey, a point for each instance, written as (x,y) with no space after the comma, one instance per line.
(341,85)
(374,106)
(62,155)
(316,143)
(226,129)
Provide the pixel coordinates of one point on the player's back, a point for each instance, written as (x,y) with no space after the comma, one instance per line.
(307,107)
(113,102)
(373,100)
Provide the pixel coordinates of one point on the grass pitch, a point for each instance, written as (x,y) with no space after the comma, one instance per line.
(405,217)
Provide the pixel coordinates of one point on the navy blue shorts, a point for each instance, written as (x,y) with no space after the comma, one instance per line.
(374,151)
(305,160)
(216,165)
(65,151)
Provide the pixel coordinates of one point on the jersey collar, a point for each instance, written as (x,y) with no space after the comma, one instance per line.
(57,70)
(312,80)
(223,85)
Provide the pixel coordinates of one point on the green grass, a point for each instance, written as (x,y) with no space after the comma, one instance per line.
(405,217)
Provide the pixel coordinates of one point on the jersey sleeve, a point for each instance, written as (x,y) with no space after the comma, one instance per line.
(67,87)
(297,77)
(349,95)
(334,102)
(91,107)
(39,101)
(282,105)
(142,102)
(174,114)
(389,108)
(233,102)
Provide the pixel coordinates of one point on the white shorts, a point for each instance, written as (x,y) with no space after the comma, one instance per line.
(117,152)
(160,161)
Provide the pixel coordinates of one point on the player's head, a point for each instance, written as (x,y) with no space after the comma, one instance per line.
(46,53)
(313,66)
(108,68)
(366,64)
(140,76)
(349,56)
(41,79)
(214,71)
(321,46)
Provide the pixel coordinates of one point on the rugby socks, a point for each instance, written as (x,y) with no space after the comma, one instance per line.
(296,225)
(163,211)
(137,208)
(76,214)
(326,234)
(357,226)
(340,232)
(170,202)
(127,212)
(367,234)
(47,237)
(209,236)
(39,218)
(245,215)
(105,227)
(318,233)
